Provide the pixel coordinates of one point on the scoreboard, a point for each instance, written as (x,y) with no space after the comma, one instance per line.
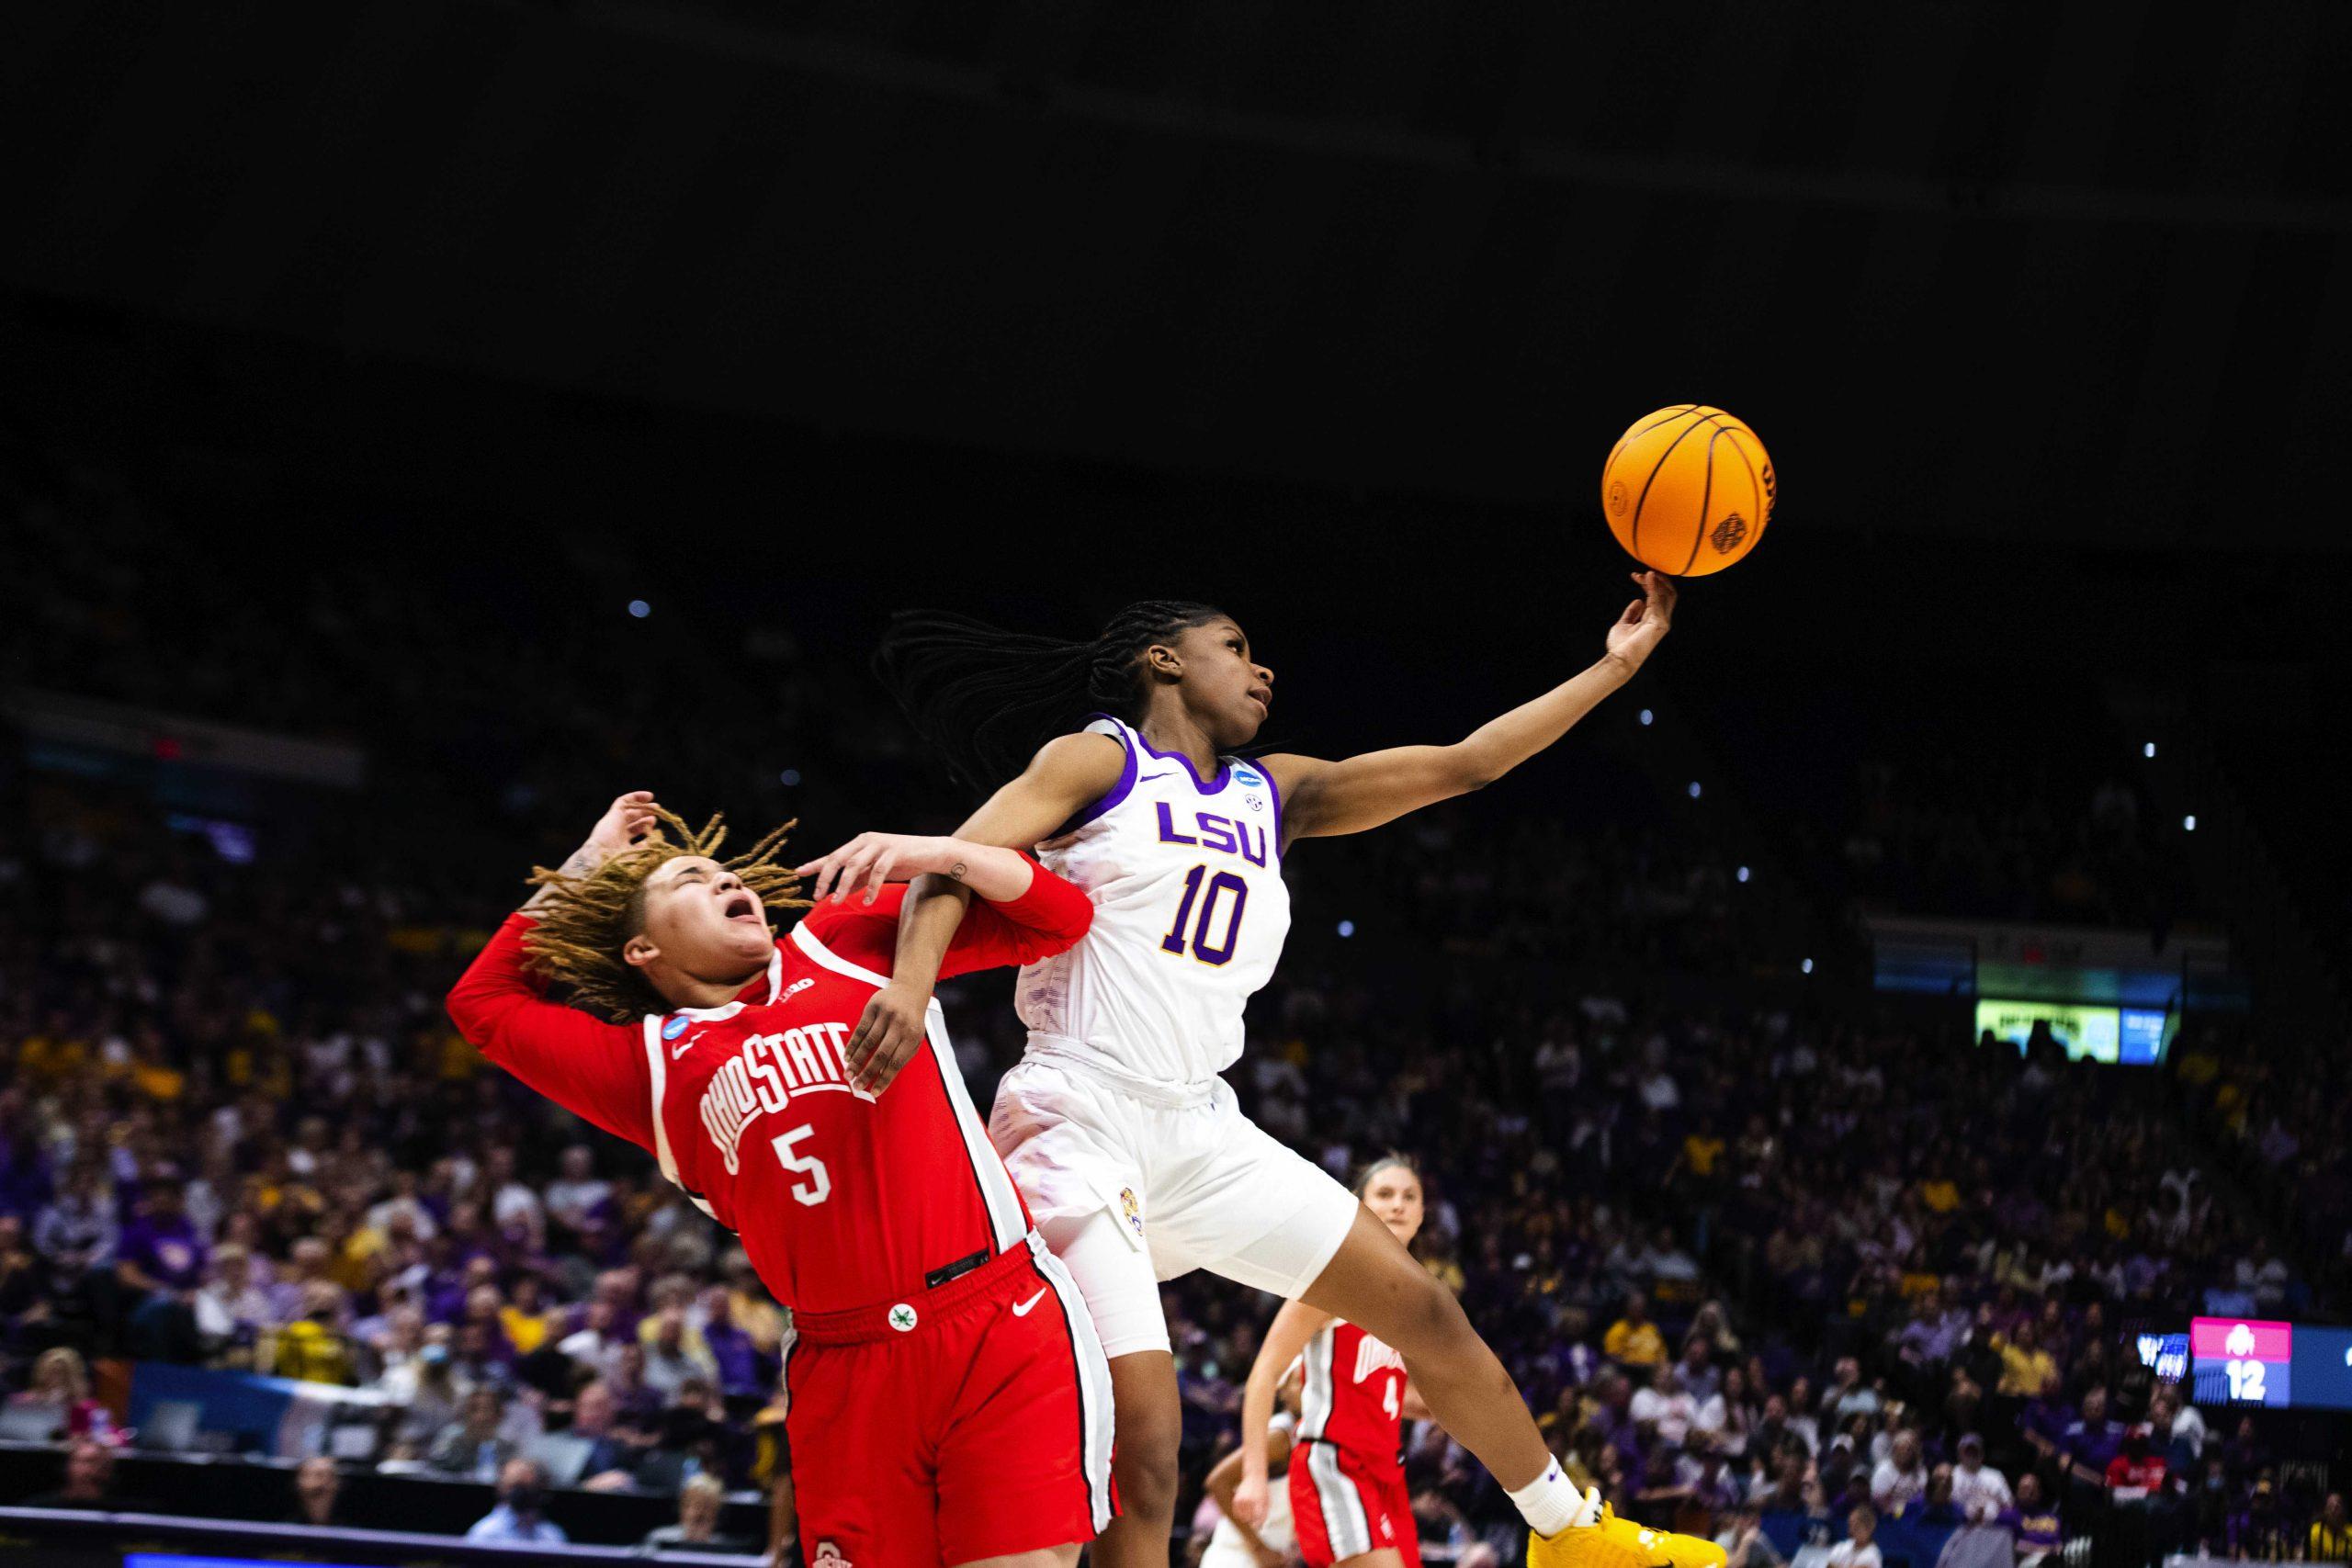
(2281,1365)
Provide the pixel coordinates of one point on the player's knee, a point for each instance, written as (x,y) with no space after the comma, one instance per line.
(1429,1321)
(1144,1460)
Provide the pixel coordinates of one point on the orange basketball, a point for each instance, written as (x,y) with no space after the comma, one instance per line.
(1688,489)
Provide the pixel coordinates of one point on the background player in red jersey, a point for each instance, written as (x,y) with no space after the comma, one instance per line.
(948,1401)
(1348,1498)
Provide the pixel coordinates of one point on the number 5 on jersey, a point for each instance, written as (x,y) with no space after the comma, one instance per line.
(1209,901)
(818,1186)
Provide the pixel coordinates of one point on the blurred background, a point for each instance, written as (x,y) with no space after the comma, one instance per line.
(1918,1000)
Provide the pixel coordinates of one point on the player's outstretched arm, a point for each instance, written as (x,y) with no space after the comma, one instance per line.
(1323,798)
(871,862)
(1287,1340)
(1068,773)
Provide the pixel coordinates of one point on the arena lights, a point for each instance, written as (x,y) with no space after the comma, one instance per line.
(1805,967)
(1743,873)
(789,777)
(1694,789)
(639,608)
(1347,928)
(2189,823)
(2149,749)
(1646,716)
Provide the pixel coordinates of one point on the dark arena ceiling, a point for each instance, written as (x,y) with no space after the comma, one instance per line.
(2039,270)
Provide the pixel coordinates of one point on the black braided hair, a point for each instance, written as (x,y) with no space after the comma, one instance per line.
(986,699)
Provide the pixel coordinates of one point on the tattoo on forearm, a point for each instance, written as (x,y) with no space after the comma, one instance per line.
(956,872)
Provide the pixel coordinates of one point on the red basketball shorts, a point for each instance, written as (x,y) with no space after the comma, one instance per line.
(972,1420)
(1343,1507)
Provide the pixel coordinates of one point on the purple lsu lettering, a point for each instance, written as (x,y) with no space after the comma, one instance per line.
(769,1070)
(1211,832)
(1372,1356)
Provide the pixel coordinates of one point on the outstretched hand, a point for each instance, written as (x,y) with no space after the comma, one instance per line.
(1645,620)
(629,819)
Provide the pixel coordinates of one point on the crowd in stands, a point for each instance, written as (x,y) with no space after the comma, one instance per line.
(1811,1261)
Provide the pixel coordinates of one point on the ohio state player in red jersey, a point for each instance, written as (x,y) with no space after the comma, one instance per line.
(1348,1498)
(948,1402)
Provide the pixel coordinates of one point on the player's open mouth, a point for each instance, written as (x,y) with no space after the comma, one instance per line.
(741,908)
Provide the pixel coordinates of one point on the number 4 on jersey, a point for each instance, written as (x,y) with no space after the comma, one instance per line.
(1208,952)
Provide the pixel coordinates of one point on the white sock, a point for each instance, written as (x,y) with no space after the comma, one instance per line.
(1551,1503)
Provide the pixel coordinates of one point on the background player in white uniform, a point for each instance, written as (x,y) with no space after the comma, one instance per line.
(1273,1540)
(1129,1148)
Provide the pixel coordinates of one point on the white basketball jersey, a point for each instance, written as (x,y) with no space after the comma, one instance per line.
(1190,913)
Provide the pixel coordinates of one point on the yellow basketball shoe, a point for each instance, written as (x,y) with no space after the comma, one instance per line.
(1612,1542)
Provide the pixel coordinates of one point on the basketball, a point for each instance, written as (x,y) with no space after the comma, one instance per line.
(1688,489)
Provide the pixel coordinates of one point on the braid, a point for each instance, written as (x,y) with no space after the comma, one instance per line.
(584,922)
(986,699)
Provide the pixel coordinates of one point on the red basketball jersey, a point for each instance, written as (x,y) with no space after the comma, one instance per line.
(843,1199)
(1353,1396)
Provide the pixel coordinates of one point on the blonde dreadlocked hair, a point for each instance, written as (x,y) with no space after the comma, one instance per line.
(584,922)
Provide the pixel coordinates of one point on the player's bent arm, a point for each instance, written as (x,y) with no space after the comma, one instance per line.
(1068,773)
(592,1070)
(1287,1340)
(1225,1477)
(870,861)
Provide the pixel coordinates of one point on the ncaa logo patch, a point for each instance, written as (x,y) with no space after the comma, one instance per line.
(902,1318)
(673,1029)
(827,1555)
(1131,1208)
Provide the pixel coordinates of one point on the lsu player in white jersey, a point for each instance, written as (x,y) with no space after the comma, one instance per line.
(1128,1148)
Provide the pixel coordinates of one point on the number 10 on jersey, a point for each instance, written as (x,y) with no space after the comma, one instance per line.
(1208,892)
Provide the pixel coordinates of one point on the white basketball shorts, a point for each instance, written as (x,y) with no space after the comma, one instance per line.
(1131,1184)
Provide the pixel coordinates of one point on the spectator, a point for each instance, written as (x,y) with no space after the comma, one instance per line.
(1697,1370)
(1856,1550)
(89,1481)
(2035,1524)
(2028,1371)
(317,1491)
(698,1527)
(1901,1478)
(2331,1534)
(1980,1492)
(2137,1471)
(1665,1406)
(1745,1543)
(1634,1340)
(520,1516)
(2092,1440)
(614,1451)
(159,1249)
(62,1386)
(473,1444)
(2257,1532)
(312,1348)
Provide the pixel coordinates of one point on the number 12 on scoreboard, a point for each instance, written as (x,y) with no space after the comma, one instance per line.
(2252,1358)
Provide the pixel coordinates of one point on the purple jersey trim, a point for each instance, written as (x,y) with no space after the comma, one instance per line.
(1224,768)
(1275,790)
(1117,793)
